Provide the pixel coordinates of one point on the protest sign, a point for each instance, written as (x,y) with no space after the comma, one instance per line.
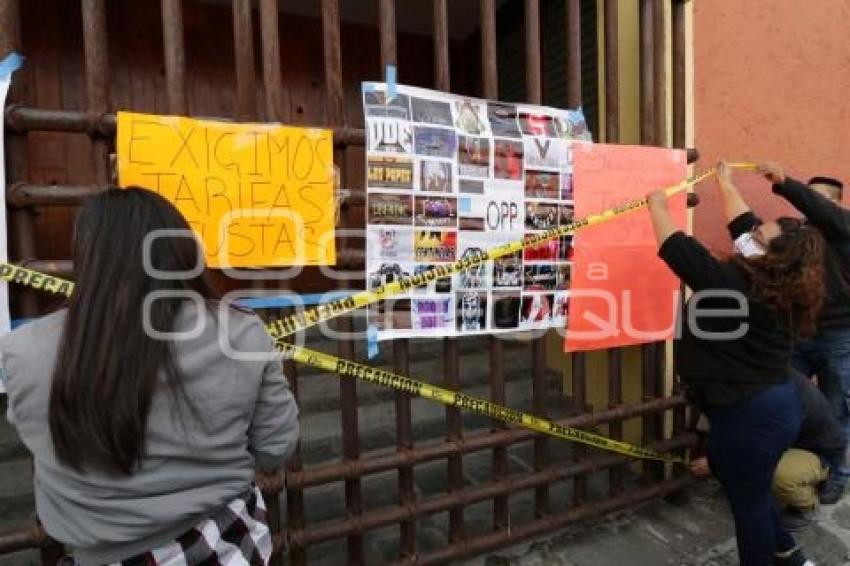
(256,195)
(623,294)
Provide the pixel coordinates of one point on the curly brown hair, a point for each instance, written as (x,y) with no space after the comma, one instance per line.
(789,276)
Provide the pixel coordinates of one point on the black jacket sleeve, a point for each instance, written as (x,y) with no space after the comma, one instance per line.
(822,213)
(742,224)
(694,264)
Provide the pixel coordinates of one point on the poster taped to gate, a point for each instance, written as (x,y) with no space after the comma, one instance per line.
(449,177)
(256,195)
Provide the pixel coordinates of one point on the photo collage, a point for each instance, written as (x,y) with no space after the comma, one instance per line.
(449,177)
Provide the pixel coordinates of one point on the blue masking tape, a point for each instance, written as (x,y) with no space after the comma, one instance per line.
(391,82)
(371,341)
(368,87)
(282,301)
(10,64)
(16,322)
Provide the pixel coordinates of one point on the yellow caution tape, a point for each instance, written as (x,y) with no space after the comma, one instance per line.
(337,307)
(460,400)
(291,324)
(383,378)
(35,279)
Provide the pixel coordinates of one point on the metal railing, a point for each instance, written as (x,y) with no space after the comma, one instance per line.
(294,532)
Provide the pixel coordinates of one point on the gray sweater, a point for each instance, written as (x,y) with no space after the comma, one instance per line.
(190,468)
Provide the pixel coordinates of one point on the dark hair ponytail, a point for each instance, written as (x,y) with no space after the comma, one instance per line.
(107,366)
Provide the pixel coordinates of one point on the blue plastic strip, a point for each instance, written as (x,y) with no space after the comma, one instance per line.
(372,349)
(10,64)
(282,301)
(391,82)
(16,322)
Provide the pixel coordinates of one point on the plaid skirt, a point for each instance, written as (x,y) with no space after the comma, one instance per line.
(237,535)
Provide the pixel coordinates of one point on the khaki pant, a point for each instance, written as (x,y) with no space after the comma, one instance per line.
(796,479)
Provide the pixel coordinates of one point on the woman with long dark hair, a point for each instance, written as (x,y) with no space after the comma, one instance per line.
(734,355)
(146,435)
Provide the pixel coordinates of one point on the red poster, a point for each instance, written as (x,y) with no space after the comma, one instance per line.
(622,293)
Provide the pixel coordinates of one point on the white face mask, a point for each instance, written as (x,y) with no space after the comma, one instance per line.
(747,246)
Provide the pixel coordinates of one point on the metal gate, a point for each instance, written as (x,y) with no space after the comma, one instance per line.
(294,533)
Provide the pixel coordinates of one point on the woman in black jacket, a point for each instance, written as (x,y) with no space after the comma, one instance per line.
(734,356)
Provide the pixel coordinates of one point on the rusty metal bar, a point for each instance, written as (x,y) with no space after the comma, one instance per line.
(334,115)
(612,135)
(579,359)
(551,523)
(647,73)
(534,95)
(573,53)
(649,373)
(243,45)
(539,389)
(489,67)
(615,400)
(404,443)
(295,508)
(23,539)
(401,347)
(533,68)
(175,56)
(501,510)
(21,119)
(246,109)
(442,67)
(649,387)
(96,45)
(350,439)
(679,87)
(659,68)
(679,73)
(21,220)
(272,78)
(454,433)
(451,353)
(579,367)
(97,54)
(274,107)
(612,80)
(386,27)
(377,518)
(472,442)
(490,84)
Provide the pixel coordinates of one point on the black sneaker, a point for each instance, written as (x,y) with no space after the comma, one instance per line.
(796,520)
(795,558)
(830,493)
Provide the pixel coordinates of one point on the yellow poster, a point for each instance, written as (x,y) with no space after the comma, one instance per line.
(257,195)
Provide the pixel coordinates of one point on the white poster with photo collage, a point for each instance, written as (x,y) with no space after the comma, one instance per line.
(449,176)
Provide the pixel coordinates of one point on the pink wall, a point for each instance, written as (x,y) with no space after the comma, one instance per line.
(772,81)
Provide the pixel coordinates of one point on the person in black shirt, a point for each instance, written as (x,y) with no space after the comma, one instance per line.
(827,354)
(734,358)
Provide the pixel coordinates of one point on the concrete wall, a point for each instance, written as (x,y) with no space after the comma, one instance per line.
(772,80)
